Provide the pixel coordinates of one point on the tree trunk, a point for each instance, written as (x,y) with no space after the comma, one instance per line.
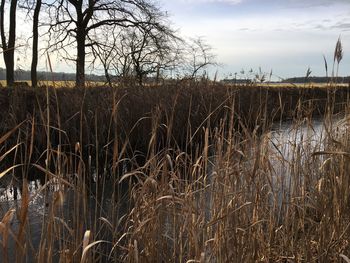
(108,77)
(10,72)
(10,68)
(33,72)
(80,67)
(9,48)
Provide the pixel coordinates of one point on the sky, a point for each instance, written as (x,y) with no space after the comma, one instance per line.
(285,36)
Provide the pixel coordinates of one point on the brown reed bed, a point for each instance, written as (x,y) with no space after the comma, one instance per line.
(128,112)
(178,173)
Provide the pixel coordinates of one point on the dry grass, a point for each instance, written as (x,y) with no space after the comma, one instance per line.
(310,85)
(57,84)
(180,173)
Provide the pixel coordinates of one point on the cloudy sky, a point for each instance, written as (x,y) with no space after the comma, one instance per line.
(285,36)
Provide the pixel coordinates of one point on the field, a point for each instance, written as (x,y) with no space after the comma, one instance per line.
(183,172)
(57,84)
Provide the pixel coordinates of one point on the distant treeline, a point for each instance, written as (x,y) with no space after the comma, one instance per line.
(21,75)
(295,80)
(317,80)
(237,81)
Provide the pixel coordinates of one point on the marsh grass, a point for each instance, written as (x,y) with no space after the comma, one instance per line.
(185,172)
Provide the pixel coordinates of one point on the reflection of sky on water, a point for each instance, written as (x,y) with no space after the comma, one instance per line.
(292,145)
(286,138)
(287,142)
(37,209)
(291,154)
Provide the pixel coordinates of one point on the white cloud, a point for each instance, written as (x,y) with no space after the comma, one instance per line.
(313,3)
(234,2)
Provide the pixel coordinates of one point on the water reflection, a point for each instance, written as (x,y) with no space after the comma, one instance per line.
(289,144)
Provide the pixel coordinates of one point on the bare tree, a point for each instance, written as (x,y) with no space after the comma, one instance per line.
(33,9)
(106,52)
(33,71)
(79,23)
(8,46)
(151,54)
(200,57)
(136,53)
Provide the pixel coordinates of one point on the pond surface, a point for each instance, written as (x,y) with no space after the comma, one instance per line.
(290,142)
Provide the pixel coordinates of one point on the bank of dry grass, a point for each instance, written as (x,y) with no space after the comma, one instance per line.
(178,173)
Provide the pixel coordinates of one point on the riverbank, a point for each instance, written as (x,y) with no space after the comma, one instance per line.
(178,172)
(179,110)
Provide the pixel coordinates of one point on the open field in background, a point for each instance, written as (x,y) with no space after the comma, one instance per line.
(71,84)
(184,172)
(304,85)
(57,84)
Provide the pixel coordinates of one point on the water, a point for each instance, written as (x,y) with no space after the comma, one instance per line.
(41,205)
(292,143)
(287,143)
(36,210)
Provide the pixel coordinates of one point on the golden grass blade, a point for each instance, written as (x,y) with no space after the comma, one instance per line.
(136,252)
(86,239)
(31,145)
(346,259)
(331,152)
(215,221)
(9,151)
(58,199)
(9,169)
(87,248)
(9,133)
(169,197)
(25,200)
(117,244)
(107,222)
(5,231)
(70,230)
(22,217)
(127,175)
(52,175)
(8,216)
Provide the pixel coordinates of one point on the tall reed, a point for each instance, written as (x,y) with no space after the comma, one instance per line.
(189,172)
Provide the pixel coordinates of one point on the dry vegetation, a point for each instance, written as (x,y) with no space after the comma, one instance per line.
(179,173)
